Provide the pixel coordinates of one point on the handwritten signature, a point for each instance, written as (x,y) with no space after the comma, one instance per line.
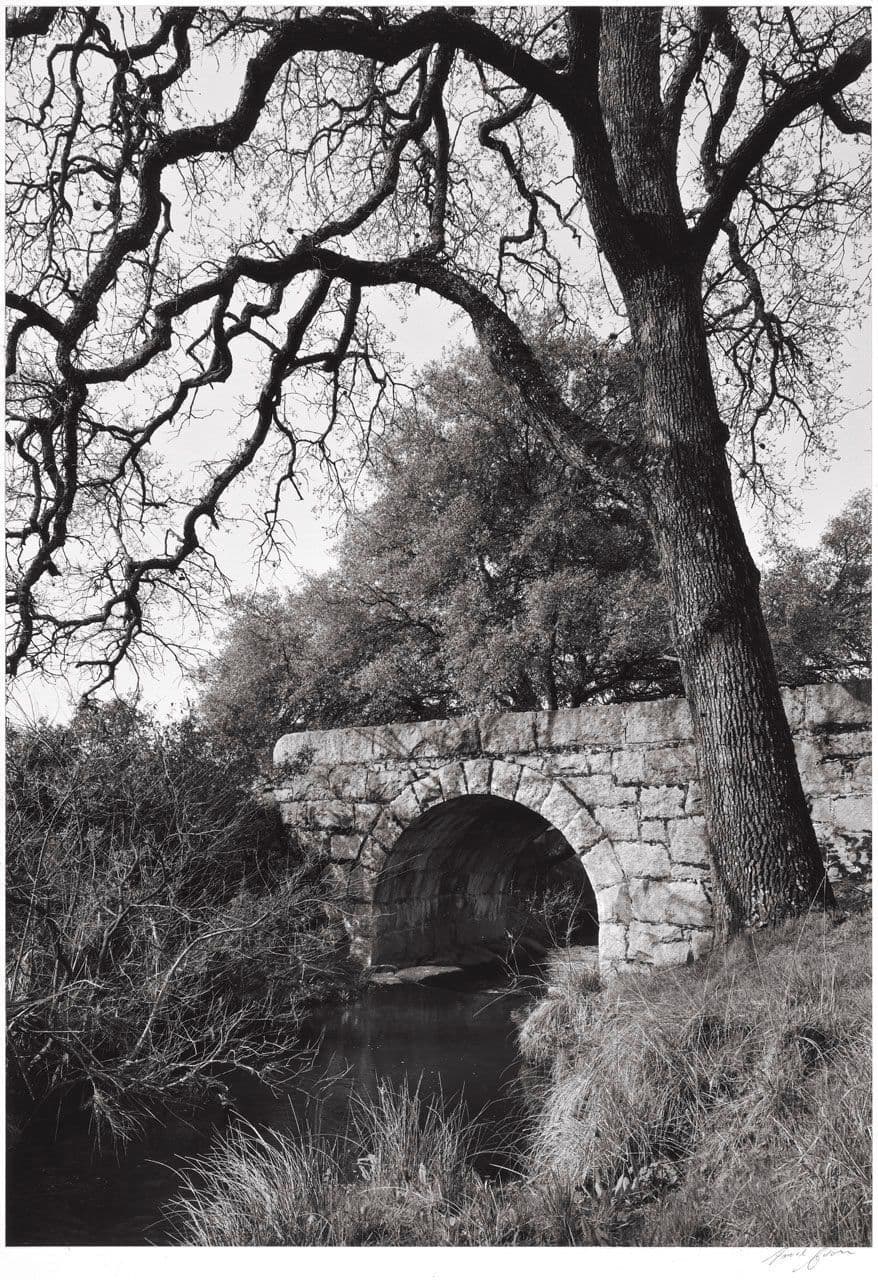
(802,1259)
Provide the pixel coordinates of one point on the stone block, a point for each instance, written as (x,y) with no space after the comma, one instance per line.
(612,944)
(701,943)
(638,859)
(627,766)
(386,830)
(618,823)
(371,855)
(345,848)
(599,788)
(325,746)
(349,782)
(829,706)
(602,866)
(295,788)
(427,739)
(654,831)
(348,880)
(694,803)
(560,806)
(507,732)
(852,813)
(505,779)
(668,953)
(850,745)
(819,774)
(861,773)
(659,722)
(582,832)
(478,776)
(406,807)
(662,802)
(645,940)
(794,706)
(366,815)
(332,814)
(428,790)
(688,841)
(681,902)
(383,784)
(293,813)
(669,764)
(614,905)
(533,790)
(821,810)
(579,726)
(312,843)
(452,780)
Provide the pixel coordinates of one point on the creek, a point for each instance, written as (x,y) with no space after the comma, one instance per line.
(458,1042)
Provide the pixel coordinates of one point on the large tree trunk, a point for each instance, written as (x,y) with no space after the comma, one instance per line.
(766,860)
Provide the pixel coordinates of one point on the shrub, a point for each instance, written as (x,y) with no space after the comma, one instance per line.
(161,931)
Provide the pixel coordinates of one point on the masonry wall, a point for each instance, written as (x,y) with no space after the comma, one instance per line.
(619,782)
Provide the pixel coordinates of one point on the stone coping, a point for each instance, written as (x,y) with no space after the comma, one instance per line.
(818,709)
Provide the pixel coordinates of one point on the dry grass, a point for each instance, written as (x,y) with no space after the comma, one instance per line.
(727,1104)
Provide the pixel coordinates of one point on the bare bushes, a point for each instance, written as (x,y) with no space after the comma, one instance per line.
(730,1106)
(160,933)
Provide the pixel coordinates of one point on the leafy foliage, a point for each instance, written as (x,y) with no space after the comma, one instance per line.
(817,601)
(486,573)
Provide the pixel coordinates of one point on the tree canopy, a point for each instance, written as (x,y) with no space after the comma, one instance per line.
(448,149)
(818,600)
(484,573)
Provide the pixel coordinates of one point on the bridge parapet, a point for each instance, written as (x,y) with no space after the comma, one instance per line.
(619,782)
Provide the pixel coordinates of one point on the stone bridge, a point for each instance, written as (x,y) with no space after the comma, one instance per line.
(433,830)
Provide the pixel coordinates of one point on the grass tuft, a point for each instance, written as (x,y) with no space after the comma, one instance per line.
(726,1104)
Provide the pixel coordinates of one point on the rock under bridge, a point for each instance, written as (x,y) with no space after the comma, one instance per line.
(434,831)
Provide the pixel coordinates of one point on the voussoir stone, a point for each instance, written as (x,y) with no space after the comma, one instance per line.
(478,776)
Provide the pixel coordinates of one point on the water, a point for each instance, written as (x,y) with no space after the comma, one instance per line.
(458,1043)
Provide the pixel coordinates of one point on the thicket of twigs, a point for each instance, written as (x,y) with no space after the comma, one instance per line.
(161,932)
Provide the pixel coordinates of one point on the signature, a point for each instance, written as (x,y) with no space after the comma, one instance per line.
(802,1259)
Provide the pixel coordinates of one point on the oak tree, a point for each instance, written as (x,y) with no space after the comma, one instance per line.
(167,237)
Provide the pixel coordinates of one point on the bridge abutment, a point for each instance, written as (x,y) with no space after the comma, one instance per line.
(617,783)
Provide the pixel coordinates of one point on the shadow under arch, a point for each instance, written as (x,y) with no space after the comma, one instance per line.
(477,877)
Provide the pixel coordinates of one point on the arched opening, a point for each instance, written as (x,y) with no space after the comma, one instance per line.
(476,879)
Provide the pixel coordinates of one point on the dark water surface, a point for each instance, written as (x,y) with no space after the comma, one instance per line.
(458,1043)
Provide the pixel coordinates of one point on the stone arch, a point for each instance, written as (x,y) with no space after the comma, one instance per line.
(552,801)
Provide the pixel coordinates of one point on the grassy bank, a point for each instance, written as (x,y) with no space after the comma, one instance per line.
(724,1104)
(728,1104)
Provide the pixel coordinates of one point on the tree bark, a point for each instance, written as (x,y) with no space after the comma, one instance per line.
(766,861)
(767,864)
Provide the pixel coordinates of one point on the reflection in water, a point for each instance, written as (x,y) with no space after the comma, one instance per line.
(458,1044)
